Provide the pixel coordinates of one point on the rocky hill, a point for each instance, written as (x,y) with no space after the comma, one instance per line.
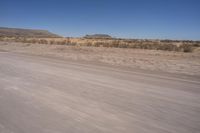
(17,32)
(98,36)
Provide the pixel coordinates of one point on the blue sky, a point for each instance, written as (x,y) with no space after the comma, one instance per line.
(163,19)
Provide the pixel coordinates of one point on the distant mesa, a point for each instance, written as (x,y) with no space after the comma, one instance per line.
(98,36)
(18,32)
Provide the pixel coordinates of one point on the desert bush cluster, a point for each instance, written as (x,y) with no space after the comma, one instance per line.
(148,45)
(39,40)
(166,45)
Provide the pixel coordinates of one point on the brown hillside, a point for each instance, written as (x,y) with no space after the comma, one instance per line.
(17,32)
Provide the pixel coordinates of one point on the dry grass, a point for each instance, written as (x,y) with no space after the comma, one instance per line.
(166,45)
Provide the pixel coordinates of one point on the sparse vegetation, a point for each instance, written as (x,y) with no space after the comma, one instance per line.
(166,45)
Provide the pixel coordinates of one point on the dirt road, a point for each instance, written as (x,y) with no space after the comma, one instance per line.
(43,95)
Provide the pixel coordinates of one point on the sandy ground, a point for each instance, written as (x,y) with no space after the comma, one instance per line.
(48,95)
(173,62)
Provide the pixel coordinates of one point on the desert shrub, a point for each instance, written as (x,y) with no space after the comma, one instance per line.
(20,39)
(144,45)
(68,42)
(43,41)
(132,45)
(58,42)
(98,44)
(72,43)
(1,39)
(52,42)
(33,41)
(24,40)
(167,47)
(196,45)
(64,42)
(88,44)
(123,45)
(115,43)
(186,48)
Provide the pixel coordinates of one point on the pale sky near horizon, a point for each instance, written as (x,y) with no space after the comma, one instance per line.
(152,19)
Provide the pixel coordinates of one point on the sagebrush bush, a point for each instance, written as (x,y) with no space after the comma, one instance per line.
(88,44)
(123,45)
(72,44)
(98,44)
(186,48)
(115,44)
(33,41)
(167,47)
(52,42)
(196,45)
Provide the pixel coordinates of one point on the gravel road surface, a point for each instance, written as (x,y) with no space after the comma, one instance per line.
(45,95)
